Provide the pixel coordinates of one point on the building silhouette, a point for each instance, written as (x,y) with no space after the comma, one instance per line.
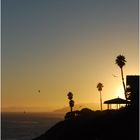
(132,84)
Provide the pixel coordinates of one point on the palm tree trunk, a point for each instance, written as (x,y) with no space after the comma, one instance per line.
(101,100)
(71,109)
(123,83)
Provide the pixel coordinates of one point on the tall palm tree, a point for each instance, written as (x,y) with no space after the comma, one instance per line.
(120,61)
(100,86)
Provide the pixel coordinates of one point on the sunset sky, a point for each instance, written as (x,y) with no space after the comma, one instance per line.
(57,46)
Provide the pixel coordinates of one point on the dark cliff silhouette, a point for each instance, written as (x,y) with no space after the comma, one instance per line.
(96,125)
(120,124)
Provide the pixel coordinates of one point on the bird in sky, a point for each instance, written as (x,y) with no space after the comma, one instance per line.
(114,75)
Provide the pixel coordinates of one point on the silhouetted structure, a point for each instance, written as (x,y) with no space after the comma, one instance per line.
(132,83)
(71,115)
(116,101)
(83,113)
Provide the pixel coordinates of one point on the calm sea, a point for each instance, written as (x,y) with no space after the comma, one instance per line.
(25,126)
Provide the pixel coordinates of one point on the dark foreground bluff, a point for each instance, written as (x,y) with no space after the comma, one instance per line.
(106,125)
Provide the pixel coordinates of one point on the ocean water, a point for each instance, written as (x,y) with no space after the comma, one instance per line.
(26,126)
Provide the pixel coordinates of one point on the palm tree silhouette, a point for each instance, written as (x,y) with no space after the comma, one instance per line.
(100,86)
(71,102)
(120,61)
(70,95)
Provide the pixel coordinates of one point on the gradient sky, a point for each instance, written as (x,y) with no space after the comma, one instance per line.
(57,46)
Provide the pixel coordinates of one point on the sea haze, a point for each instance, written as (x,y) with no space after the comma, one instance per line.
(25,126)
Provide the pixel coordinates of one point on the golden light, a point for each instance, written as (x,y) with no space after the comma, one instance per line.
(120,92)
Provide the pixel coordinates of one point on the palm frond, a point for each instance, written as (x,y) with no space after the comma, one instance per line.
(120,60)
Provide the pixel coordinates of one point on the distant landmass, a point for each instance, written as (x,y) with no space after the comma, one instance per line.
(92,106)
